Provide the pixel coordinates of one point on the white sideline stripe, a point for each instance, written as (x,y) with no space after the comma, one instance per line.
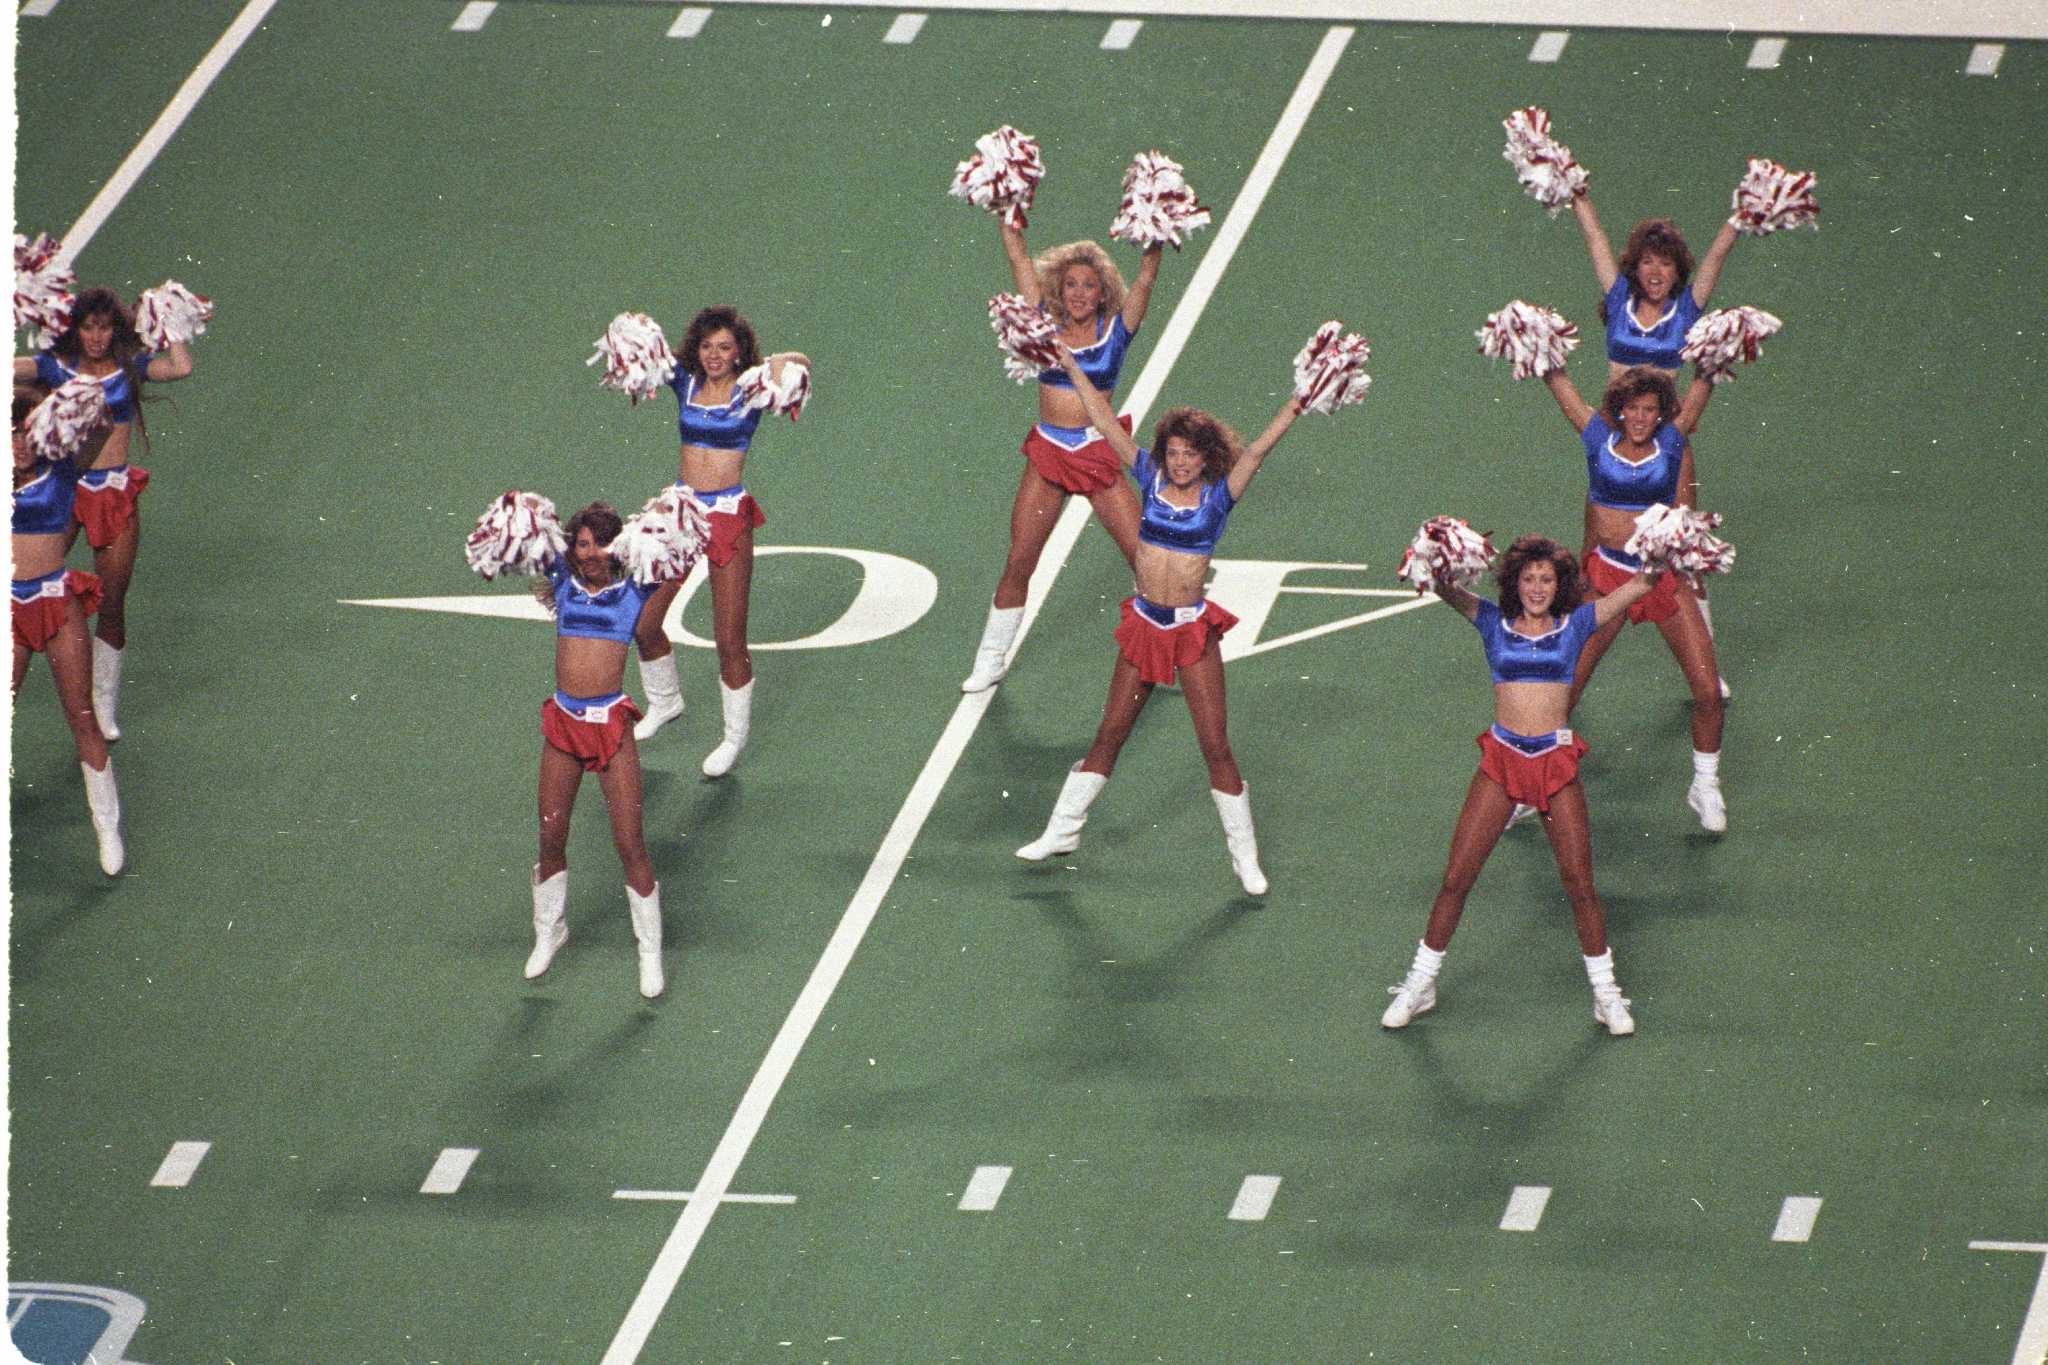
(1549,46)
(690,1227)
(474,16)
(180,1163)
(685,1196)
(449,1169)
(984,1189)
(1795,1219)
(690,22)
(1525,1208)
(167,123)
(1984,59)
(36,9)
(1255,1198)
(1764,56)
(905,29)
(2032,1348)
(1121,34)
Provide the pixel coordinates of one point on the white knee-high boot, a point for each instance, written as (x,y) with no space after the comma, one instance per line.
(106,686)
(664,694)
(646,912)
(1070,812)
(737,706)
(992,657)
(550,920)
(105,804)
(1236,812)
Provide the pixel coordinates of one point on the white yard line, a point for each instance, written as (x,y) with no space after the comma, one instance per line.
(887,865)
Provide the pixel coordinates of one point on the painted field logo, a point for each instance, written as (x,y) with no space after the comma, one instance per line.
(71,1324)
(1251,588)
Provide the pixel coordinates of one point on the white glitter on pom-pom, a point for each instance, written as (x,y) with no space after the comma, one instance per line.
(637,360)
(42,289)
(1158,208)
(1726,336)
(1543,165)
(1329,372)
(1535,339)
(1029,340)
(61,423)
(1771,198)
(1677,540)
(758,389)
(660,543)
(520,533)
(1002,175)
(169,314)
(1445,550)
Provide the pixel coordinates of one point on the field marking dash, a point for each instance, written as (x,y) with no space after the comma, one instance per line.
(1525,1208)
(690,22)
(180,1164)
(474,16)
(1549,46)
(883,870)
(1255,1198)
(1765,54)
(449,1169)
(1984,59)
(984,1189)
(685,1196)
(1795,1219)
(905,29)
(1122,33)
(36,9)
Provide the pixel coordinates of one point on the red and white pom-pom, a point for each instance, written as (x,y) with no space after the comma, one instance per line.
(171,313)
(1002,175)
(1726,336)
(1027,335)
(1536,339)
(758,389)
(660,543)
(1158,208)
(42,289)
(1543,165)
(1445,550)
(61,423)
(1771,197)
(637,360)
(1678,540)
(519,534)
(1329,372)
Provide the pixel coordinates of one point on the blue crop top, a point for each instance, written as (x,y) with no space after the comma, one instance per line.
(607,615)
(1189,530)
(729,426)
(1102,360)
(1613,482)
(1630,343)
(42,506)
(1548,658)
(117,388)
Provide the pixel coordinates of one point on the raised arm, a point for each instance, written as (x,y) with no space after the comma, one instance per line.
(1710,267)
(1693,404)
(1254,455)
(1575,408)
(1606,608)
(1101,415)
(1458,599)
(1597,245)
(1021,269)
(1139,296)
(174,363)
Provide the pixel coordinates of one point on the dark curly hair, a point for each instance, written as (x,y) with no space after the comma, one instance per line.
(603,522)
(709,320)
(1632,384)
(1653,237)
(127,348)
(1526,551)
(1214,440)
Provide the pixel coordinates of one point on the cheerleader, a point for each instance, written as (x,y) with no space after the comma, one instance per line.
(101,344)
(50,607)
(717,423)
(1653,295)
(1532,640)
(1186,491)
